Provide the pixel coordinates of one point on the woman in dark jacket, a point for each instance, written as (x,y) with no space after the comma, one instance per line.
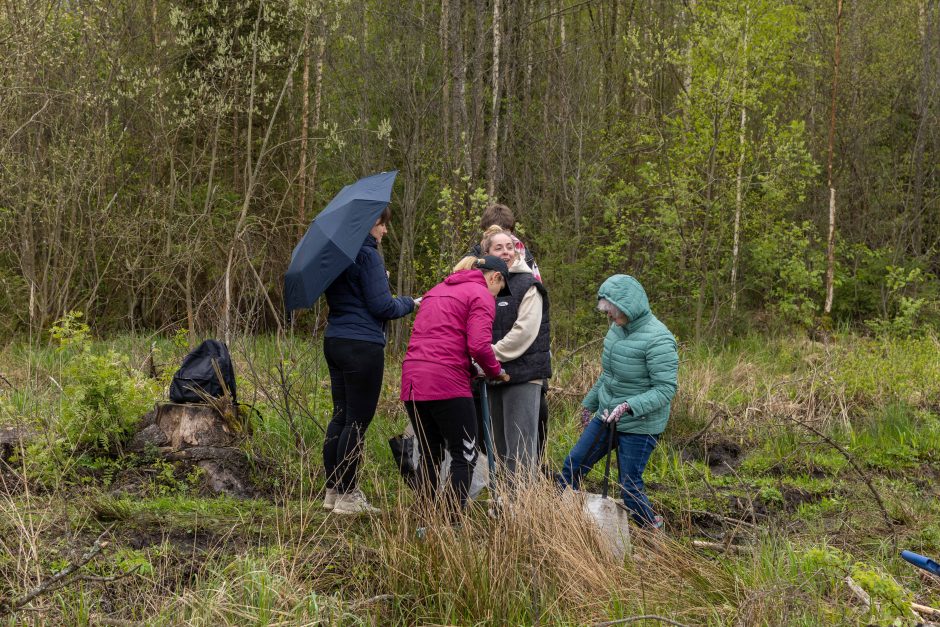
(361,304)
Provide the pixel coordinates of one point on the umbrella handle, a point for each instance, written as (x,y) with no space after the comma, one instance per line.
(610,450)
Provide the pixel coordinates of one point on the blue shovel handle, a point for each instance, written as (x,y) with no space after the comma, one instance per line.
(922,562)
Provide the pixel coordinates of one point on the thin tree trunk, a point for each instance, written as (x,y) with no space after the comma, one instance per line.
(459,69)
(831,241)
(246,202)
(492,152)
(739,183)
(304,134)
(926,98)
(444,33)
(478,132)
(317,102)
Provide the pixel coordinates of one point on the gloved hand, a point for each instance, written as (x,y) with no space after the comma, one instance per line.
(479,374)
(502,376)
(618,411)
(585,417)
(417,300)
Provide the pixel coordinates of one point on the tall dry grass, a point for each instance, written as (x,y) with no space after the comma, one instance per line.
(542,560)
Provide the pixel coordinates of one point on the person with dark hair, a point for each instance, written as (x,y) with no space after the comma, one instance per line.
(360,304)
(452,331)
(639,374)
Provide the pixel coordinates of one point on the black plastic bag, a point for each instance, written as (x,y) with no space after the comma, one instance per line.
(403,450)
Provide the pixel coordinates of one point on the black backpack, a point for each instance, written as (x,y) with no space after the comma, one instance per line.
(199,376)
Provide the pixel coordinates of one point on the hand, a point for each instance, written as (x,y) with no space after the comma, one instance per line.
(417,301)
(585,417)
(478,371)
(502,376)
(618,411)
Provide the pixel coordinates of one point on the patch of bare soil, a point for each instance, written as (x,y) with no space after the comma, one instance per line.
(719,455)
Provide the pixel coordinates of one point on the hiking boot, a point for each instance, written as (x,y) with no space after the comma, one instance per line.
(354,502)
(329,501)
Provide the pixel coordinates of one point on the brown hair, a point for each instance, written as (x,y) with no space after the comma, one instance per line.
(386,215)
(498,214)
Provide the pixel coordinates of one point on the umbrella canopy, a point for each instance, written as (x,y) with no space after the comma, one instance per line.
(334,238)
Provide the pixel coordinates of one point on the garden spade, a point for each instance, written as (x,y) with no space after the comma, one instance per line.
(612,519)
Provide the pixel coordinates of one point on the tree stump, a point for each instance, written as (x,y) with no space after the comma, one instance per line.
(11,439)
(201,436)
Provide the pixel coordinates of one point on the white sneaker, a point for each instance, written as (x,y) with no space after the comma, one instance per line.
(354,502)
(329,501)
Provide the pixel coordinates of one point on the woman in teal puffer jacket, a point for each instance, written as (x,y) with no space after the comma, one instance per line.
(638,379)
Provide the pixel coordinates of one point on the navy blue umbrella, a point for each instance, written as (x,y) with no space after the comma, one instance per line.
(334,238)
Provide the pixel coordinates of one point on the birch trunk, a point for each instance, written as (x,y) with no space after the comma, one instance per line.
(739,183)
(831,240)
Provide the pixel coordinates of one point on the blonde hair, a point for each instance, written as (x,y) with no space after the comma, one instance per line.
(471,262)
(492,232)
(467,263)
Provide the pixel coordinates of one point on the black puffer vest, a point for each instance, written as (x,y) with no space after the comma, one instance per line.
(536,362)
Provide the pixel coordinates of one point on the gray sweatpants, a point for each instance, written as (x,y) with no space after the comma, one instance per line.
(514,411)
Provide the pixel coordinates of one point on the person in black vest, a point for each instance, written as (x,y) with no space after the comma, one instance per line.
(521,343)
(361,304)
(500,215)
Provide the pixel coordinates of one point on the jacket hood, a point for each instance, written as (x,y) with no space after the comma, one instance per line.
(466,276)
(627,294)
(519,266)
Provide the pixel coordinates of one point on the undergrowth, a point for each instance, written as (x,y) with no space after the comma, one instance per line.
(774,450)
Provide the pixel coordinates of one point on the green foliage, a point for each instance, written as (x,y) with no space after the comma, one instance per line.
(789,266)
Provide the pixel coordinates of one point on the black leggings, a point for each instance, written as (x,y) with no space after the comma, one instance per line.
(356,370)
(450,424)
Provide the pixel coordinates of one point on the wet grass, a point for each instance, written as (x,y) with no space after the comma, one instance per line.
(742,465)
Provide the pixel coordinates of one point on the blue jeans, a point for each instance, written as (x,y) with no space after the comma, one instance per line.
(633,452)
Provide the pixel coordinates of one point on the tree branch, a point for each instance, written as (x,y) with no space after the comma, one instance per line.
(59,578)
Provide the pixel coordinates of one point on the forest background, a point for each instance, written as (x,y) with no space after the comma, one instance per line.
(769,169)
(161,158)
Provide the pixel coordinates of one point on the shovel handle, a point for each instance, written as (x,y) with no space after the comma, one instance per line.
(610,450)
(488,434)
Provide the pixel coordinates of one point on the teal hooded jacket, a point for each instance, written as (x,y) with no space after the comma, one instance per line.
(640,362)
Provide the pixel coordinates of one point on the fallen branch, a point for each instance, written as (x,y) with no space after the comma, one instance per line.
(925,610)
(636,619)
(848,456)
(110,578)
(723,518)
(59,579)
(716,546)
(859,592)
(865,598)
(719,412)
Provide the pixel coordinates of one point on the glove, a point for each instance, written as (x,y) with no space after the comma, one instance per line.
(417,301)
(585,417)
(479,374)
(618,411)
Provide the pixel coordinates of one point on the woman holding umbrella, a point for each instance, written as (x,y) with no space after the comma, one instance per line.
(452,331)
(360,304)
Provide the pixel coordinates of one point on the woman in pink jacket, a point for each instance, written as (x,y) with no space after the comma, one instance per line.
(453,329)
